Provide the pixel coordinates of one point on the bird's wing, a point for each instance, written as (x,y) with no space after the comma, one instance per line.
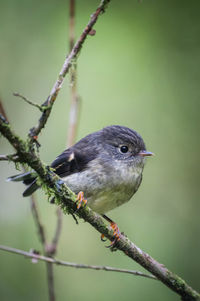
(72,161)
(65,164)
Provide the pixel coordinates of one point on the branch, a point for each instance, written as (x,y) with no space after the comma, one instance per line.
(13,158)
(2,110)
(72,264)
(47,105)
(29,102)
(74,107)
(47,249)
(66,199)
(50,281)
(38,223)
(50,249)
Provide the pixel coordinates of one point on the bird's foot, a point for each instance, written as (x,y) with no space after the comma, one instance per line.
(80,200)
(103,238)
(116,234)
(116,231)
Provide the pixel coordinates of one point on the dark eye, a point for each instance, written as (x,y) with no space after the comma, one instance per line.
(124,149)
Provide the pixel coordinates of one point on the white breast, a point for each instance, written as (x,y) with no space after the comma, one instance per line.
(106,187)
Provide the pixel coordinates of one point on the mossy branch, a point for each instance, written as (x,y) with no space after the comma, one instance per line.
(66,199)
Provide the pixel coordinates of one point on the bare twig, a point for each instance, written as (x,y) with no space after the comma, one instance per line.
(65,69)
(50,249)
(2,110)
(29,101)
(39,226)
(71,24)
(46,250)
(67,200)
(57,231)
(72,264)
(74,107)
(50,281)
(13,157)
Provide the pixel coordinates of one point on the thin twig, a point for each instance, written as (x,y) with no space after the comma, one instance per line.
(50,281)
(57,231)
(48,249)
(74,265)
(74,107)
(2,110)
(65,69)
(29,101)
(71,24)
(67,200)
(13,158)
(38,223)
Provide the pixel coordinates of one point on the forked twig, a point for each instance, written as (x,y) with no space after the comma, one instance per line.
(65,69)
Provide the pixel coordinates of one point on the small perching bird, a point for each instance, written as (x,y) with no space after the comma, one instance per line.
(106,166)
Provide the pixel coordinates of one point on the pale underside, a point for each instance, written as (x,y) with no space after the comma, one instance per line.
(106,189)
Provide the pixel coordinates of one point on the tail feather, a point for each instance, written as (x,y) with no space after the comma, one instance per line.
(31,188)
(28,178)
(22,177)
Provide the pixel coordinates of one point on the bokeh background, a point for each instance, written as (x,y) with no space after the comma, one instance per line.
(142,70)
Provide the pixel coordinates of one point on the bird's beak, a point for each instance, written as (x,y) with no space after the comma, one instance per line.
(145,153)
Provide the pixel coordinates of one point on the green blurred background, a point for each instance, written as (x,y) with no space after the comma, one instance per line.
(142,70)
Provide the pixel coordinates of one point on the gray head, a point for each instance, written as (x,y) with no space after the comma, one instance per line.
(116,142)
(122,143)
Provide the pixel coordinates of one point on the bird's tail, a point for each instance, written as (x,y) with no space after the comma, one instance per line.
(28,178)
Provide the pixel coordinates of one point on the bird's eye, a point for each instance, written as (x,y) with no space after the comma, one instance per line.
(124,149)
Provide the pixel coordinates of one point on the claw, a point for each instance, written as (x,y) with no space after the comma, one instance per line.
(116,234)
(80,199)
(116,231)
(102,237)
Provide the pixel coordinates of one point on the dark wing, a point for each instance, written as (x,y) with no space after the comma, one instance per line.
(72,160)
(75,159)
(65,163)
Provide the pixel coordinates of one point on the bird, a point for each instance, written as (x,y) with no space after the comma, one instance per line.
(104,169)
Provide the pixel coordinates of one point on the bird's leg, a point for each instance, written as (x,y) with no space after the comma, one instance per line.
(115,228)
(80,199)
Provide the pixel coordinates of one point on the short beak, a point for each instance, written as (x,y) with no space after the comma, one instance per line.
(145,153)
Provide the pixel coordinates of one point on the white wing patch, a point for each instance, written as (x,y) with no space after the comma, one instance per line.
(71,157)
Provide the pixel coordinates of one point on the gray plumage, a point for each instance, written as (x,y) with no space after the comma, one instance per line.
(106,165)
